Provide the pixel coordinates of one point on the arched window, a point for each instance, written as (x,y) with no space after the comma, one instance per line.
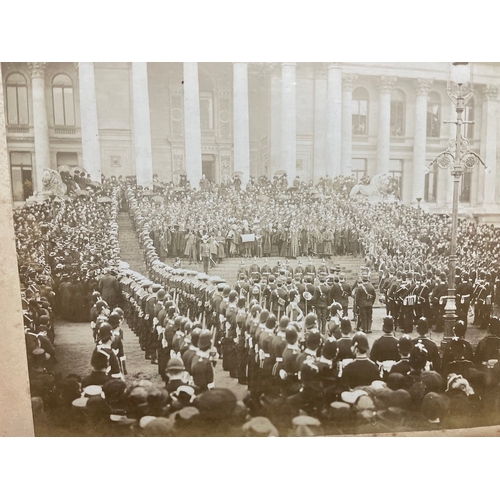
(360,100)
(433,115)
(398,105)
(468,116)
(62,97)
(17,100)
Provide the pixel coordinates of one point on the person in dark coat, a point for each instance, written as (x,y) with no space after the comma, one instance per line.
(362,371)
(109,289)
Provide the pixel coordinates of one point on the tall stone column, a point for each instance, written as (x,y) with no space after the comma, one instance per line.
(16,415)
(346,152)
(142,127)
(320,98)
(490,116)
(192,123)
(385,85)
(288,121)
(42,144)
(275,126)
(420,138)
(241,121)
(91,150)
(334,120)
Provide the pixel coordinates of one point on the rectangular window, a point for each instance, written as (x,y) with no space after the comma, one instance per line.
(58,106)
(22,176)
(69,112)
(465,184)
(22,102)
(12,116)
(396,172)
(397,119)
(431,185)
(359,117)
(206,112)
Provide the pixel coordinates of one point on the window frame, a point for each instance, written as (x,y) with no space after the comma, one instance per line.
(402,102)
(429,102)
(63,86)
(358,100)
(22,167)
(16,86)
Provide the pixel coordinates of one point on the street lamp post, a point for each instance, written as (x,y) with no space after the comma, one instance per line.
(458,158)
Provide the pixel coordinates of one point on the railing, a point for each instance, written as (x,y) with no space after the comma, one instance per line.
(18,129)
(65,130)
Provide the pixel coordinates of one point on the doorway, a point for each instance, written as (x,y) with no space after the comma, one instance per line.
(208,167)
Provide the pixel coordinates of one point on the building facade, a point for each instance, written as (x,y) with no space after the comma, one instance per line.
(307,119)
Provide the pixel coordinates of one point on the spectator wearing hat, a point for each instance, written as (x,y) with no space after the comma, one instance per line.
(431,348)
(362,371)
(205,253)
(109,289)
(488,348)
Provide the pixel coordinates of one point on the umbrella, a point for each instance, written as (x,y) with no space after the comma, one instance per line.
(81,192)
(95,184)
(157,199)
(280,172)
(63,168)
(104,199)
(239,172)
(263,197)
(147,193)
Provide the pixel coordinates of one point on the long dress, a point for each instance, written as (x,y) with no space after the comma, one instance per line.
(266,242)
(190,250)
(294,244)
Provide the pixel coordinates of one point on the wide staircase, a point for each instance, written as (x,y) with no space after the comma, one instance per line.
(130,250)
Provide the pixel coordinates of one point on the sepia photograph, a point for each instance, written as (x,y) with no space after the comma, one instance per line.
(252,249)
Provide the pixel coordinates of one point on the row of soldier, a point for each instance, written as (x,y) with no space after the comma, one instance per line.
(291,362)
(409,296)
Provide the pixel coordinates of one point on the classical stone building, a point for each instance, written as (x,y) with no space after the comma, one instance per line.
(308,119)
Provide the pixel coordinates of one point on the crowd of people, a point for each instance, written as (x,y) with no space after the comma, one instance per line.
(284,333)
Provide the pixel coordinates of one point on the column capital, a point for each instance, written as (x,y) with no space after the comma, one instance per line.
(422,86)
(283,64)
(334,65)
(385,84)
(348,81)
(37,69)
(490,92)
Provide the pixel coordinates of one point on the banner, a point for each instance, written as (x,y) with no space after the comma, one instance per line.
(246,238)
